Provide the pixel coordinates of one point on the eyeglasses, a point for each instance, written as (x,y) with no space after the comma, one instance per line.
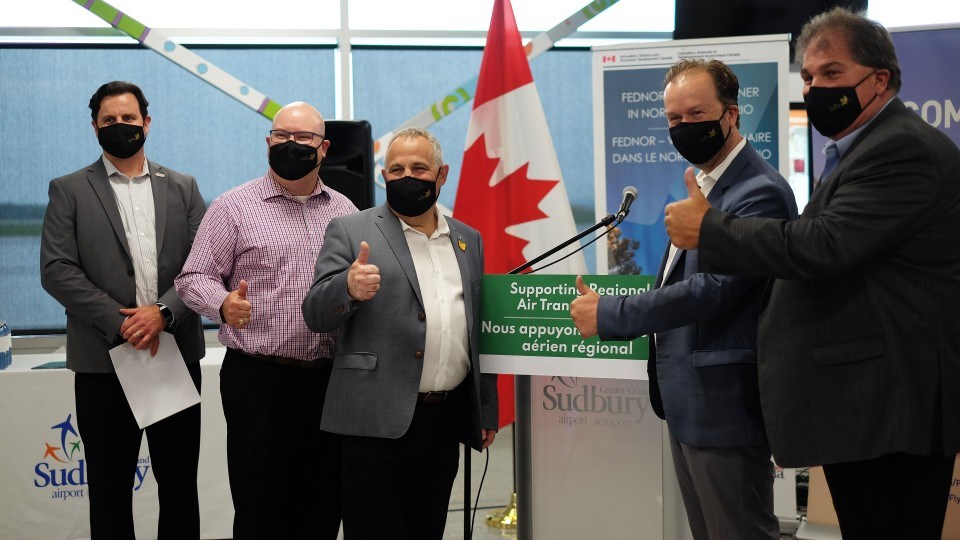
(300,137)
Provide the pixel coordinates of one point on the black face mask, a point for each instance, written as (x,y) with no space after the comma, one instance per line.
(832,110)
(698,142)
(292,161)
(121,140)
(411,197)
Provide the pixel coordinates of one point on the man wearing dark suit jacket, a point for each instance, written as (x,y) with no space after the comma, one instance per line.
(859,342)
(115,235)
(401,285)
(703,371)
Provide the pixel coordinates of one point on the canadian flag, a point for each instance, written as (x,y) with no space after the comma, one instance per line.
(510,187)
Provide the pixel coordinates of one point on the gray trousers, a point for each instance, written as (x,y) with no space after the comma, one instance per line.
(727,492)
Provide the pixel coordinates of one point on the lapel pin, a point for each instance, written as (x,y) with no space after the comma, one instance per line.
(461,244)
(160,174)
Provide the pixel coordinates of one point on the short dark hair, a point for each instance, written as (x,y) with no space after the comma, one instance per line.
(116,88)
(868,41)
(724,79)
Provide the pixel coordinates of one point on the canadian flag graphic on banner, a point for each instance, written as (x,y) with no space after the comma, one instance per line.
(510,188)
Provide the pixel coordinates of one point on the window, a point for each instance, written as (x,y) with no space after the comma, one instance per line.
(195,129)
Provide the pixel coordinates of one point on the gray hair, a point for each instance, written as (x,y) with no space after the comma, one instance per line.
(415,132)
(868,41)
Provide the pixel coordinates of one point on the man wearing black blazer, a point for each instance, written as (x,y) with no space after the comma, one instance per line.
(859,342)
(115,234)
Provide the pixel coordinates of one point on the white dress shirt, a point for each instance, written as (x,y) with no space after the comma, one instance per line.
(706,181)
(135,202)
(446,360)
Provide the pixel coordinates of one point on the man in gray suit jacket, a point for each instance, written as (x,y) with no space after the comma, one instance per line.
(115,235)
(703,368)
(401,285)
(859,341)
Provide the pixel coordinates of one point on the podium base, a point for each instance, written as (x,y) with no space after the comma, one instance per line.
(505,518)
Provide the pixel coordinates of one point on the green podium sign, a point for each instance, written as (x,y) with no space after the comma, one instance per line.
(526,328)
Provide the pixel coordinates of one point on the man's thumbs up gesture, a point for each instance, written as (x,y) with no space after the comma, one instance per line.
(235,309)
(683,218)
(363,280)
(583,309)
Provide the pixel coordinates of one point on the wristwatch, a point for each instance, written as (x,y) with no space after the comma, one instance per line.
(167,314)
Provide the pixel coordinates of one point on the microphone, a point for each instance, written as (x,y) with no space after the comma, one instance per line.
(629,195)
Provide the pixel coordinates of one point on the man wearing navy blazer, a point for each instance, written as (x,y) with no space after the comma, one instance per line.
(115,234)
(703,371)
(859,339)
(401,285)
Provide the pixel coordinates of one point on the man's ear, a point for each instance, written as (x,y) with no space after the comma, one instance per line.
(883,80)
(442,177)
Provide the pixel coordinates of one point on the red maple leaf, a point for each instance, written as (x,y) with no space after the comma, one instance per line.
(491,209)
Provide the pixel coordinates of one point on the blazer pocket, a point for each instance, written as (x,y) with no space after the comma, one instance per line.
(367,361)
(848,352)
(723,357)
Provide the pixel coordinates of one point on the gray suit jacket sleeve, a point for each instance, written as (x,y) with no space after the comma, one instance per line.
(62,273)
(328,304)
(195,207)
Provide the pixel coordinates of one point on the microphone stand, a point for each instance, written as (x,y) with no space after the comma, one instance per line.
(506,518)
(605,222)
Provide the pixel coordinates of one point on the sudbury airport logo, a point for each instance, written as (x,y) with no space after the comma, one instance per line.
(608,404)
(62,467)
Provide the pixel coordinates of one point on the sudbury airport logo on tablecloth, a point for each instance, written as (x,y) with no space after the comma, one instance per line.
(62,469)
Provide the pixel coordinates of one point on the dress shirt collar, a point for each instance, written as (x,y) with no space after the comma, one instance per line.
(845,143)
(272,187)
(112,169)
(442,227)
(706,181)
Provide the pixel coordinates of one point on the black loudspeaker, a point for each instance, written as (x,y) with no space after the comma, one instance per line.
(348,165)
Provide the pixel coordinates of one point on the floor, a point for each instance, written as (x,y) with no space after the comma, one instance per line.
(494,495)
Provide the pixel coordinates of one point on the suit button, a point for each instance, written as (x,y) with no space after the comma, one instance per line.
(419,354)
(422,316)
(129,271)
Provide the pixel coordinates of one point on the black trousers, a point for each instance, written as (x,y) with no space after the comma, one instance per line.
(284,472)
(400,488)
(893,496)
(111,445)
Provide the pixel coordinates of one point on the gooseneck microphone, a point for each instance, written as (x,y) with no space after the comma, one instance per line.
(629,195)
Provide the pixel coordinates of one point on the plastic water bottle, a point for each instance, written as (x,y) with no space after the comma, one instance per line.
(6,345)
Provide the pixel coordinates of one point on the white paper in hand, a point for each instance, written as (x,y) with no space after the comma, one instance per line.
(155,386)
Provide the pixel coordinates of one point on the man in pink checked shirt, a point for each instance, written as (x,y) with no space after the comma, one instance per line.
(249,269)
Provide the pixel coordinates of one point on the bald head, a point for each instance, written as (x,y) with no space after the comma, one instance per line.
(299,116)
